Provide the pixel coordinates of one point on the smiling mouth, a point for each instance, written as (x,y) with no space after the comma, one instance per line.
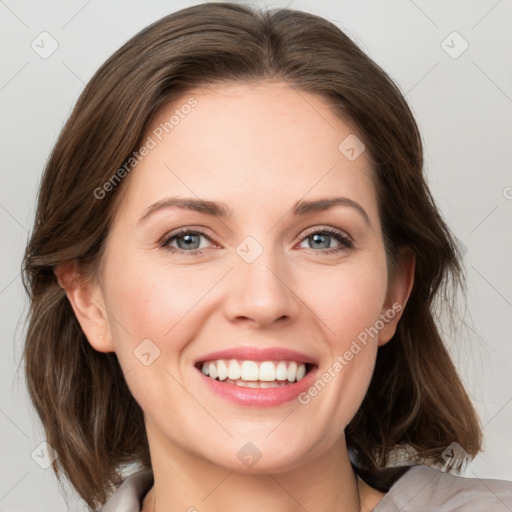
(255,374)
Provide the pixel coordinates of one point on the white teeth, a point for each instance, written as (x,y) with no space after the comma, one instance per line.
(249,371)
(212,370)
(263,374)
(258,384)
(267,371)
(281,371)
(222,370)
(234,370)
(292,371)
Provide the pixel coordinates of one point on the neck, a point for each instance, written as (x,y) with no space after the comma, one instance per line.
(183,481)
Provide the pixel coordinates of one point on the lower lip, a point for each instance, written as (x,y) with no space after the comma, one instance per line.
(260,397)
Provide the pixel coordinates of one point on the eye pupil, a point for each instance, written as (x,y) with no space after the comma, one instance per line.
(188,242)
(321,239)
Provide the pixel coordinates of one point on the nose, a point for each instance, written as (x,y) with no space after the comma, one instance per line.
(261,293)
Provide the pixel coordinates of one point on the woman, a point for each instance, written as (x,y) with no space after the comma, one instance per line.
(232,276)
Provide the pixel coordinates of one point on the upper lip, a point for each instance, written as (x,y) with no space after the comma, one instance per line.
(258,354)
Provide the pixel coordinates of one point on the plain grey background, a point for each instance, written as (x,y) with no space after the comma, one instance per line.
(453,62)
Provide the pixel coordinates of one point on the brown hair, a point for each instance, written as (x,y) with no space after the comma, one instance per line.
(415,398)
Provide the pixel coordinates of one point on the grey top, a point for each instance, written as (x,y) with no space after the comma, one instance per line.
(420,489)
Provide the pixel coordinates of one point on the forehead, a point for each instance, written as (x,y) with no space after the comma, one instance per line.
(254,142)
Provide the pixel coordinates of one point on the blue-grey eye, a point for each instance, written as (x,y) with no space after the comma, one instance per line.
(186,241)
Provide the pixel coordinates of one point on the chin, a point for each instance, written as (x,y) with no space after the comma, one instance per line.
(260,455)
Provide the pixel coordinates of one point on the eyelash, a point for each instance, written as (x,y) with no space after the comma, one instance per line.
(346,243)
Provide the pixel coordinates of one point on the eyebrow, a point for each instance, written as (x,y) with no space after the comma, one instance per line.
(221,210)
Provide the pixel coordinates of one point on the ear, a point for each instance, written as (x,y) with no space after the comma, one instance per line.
(399,290)
(87,301)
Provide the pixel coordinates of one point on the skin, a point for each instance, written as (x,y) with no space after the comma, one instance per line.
(258,148)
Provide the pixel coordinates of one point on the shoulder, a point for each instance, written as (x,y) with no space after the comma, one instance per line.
(129,495)
(420,489)
(423,488)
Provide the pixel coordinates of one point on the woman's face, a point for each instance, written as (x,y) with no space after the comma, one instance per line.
(273,273)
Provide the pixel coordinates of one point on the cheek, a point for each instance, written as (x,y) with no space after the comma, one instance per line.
(347,299)
(153,303)
(150,310)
